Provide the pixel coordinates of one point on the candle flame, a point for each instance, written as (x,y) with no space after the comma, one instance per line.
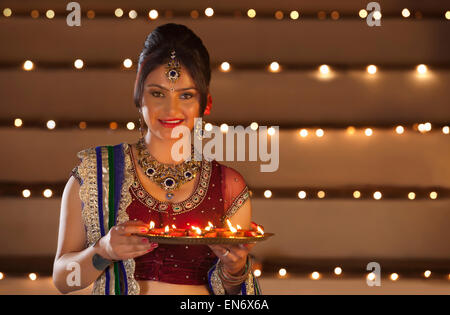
(260,230)
(166,229)
(210,224)
(238,227)
(231,227)
(151,225)
(208,228)
(197,230)
(173,226)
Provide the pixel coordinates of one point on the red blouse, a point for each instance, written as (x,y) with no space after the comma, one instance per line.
(219,193)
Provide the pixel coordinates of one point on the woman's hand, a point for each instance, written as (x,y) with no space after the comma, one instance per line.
(233,257)
(119,244)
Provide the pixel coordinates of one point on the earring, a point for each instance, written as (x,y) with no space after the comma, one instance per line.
(141,125)
(200,129)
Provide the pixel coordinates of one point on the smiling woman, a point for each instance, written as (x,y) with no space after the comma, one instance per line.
(119,189)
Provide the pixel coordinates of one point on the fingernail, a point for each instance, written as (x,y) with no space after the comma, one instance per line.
(154,244)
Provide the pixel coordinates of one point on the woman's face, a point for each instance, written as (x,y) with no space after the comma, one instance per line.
(160,104)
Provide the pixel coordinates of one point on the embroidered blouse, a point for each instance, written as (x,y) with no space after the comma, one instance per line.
(219,193)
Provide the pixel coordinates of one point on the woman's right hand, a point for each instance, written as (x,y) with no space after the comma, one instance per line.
(120,244)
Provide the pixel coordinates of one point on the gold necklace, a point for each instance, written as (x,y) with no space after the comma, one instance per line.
(168,176)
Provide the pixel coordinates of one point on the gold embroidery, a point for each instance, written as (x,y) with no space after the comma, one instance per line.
(89,196)
(236,205)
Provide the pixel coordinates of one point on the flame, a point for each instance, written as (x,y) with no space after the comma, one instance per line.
(151,225)
(173,226)
(166,229)
(197,230)
(260,230)
(210,224)
(208,228)
(231,227)
(238,227)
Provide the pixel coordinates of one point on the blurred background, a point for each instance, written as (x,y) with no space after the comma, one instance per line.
(363,115)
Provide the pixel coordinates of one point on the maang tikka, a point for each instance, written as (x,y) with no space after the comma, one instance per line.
(173,69)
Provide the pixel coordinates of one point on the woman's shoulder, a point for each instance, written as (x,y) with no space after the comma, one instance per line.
(92,151)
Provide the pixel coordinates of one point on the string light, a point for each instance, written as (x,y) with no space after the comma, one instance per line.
(372,69)
(411,196)
(433,195)
(132,14)
(371,276)
(422,69)
(130,125)
(18,122)
(400,130)
(225,66)
(32,276)
(427,273)
(394,276)
(279,15)
(209,12)
(153,14)
(208,126)
(356,194)
(351,130)
(7,12)
(35,14)
(274,66)
(319,133)
(82,125)
(271,131)
(303,133)
(294,15)
(447,15)
(282,272)
(194,14)
(368,132)
(26,193)
(445,130)
(362,13)
(78,63)
(1,275)
(113,125)
(405,13)
(28,65)
(321,194)
(268,193)
(315,275)
(377,195)
(51,124)
(224,128)
(377,15)
(334,15)
(118,12)
(254,126)
(302,194)
(257,273)
(47,193)
(338,271)
(251,13)
(50,14)
(127,63)
(90,14)
(324,69)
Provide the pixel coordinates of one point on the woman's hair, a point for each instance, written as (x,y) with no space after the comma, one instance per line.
(190,52)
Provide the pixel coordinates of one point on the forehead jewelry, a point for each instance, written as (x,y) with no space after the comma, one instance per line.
(173,69)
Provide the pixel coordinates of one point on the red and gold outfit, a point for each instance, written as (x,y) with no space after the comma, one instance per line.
(219,193)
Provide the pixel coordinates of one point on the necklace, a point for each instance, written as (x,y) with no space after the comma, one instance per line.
(168,176)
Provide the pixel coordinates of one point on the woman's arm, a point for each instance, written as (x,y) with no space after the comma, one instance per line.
(72,256)
(234,262)
(71,244)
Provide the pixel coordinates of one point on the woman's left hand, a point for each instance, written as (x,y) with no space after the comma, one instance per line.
(233,257)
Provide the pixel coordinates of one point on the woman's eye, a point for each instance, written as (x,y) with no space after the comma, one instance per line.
(186,95)
(156,94)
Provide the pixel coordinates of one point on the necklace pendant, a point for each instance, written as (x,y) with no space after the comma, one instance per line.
(169,195)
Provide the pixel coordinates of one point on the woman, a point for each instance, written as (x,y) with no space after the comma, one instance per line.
(116,191)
